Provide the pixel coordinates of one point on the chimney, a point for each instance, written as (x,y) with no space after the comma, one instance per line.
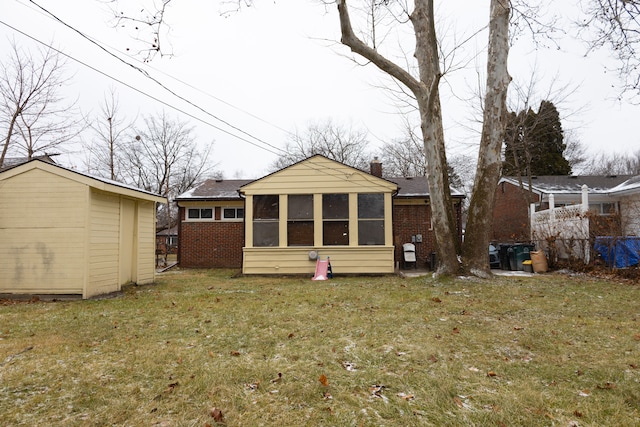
(376,167)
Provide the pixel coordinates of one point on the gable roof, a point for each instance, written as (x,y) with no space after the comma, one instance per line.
(320,170)
(89,180)
(571,184)
(227,190)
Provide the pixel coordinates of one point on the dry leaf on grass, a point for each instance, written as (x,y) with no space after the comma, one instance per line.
(324,380)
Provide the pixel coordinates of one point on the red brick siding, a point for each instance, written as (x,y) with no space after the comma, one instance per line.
(511,214)
(409,220)
(215,244)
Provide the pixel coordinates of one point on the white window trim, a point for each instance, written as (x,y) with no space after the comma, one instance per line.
(187,219)
(235,219)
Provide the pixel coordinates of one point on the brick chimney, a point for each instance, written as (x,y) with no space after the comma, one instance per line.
(376,167)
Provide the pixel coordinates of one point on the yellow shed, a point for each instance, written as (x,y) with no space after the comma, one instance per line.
(67,233)
(318,207)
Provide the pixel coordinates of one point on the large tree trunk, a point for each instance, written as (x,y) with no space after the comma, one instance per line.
(480,219)
(426,92)
(442,212)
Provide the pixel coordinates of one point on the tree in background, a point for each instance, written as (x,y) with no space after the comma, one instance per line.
(111,132)
(534,143)
(32,115)
(613,164)
(347,145)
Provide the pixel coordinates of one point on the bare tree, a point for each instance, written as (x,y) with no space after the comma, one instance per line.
(105,151)
(615,25)
(344,144)
(613,164)
(32,115)
(164,158)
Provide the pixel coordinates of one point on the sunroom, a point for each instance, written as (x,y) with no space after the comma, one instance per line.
(318,209)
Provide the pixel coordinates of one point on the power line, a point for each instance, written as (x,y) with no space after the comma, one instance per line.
(278,152)
(147,75)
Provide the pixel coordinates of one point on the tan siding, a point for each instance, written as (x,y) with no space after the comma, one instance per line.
(146,243)
(345,260)
(104,243)
(322,176)
(41,229)
(41,260)
(26,196)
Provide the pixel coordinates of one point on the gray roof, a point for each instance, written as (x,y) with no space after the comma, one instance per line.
(215,189)
(10,162)
(571,184)
(416,187)
(221,189)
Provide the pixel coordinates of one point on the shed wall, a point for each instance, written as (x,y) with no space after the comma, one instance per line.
(42,234)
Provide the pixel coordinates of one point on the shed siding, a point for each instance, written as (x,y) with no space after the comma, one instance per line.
(41,234)
(146,242)
(104,243)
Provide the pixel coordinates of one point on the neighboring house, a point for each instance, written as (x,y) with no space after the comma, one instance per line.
(66,233)
(167,241)
(511,215)
(279,223)
(10,162)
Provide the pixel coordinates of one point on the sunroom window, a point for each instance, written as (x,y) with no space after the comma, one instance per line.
(371,219)
(300,220)
(266,211)
(335,219)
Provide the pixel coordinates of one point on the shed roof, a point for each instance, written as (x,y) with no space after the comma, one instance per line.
(86,179)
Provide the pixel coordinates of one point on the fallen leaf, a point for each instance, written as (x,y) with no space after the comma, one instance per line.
(456,330)
(234,353)
(491,374)
(436,299)
(607,386)
(584,393)
(405,396)
(252,386)
(217,415)
(278,378)
(458,401)
(324,380)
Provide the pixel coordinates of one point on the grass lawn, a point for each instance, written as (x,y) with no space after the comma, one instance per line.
(203,348)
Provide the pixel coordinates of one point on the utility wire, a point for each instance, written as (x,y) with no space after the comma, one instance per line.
(153,79)
(278,152)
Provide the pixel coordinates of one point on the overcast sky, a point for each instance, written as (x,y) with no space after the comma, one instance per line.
(275,68)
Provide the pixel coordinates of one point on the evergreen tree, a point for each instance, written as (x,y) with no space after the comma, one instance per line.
(534,143)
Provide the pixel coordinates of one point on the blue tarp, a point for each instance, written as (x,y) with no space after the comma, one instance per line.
(619,252)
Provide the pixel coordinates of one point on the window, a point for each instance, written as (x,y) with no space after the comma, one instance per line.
(266,211)
(335,219)
(300,220)
(200,213)
(370,219)
(232,213)
(603,208)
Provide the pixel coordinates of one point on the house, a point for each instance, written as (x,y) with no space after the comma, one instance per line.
(281,223)
(66,233)
(167,240)
(511,215)
(567,213)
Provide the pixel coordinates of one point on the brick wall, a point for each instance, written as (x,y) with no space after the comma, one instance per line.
(409,220)
(511,214)
(216,244)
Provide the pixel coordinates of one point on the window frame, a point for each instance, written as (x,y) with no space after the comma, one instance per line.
(235,209)
(187,215)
